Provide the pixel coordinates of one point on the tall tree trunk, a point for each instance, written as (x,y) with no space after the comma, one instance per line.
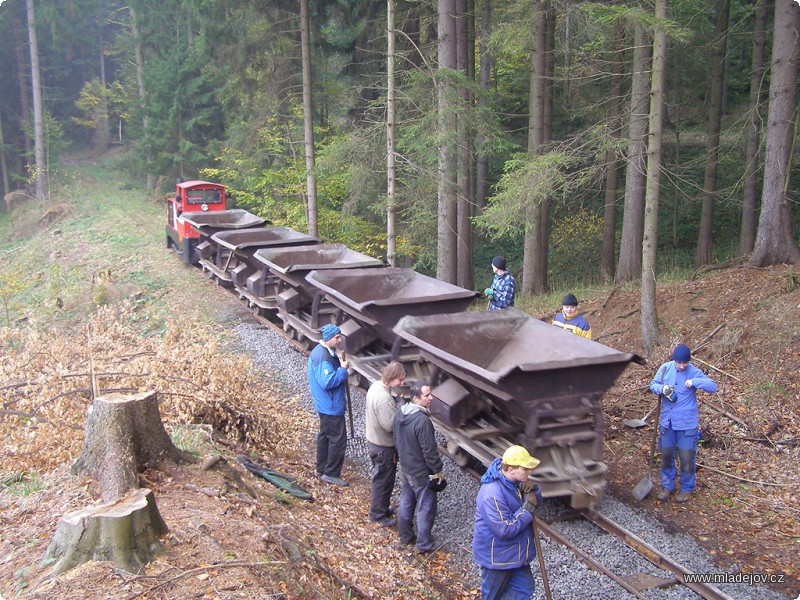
(24,103)
(447,226)
(651,333)
(38,108)
(464,240)
(484,83)
(612,161)
(747,236)
(549,72)
(629,266)
(102,134)
(308,121)
(543,237)
(391,206)
(705,238)
(138,53)
(774,239)
(534,281)
(3,164)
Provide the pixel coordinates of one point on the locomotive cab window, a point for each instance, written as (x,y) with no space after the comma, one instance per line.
(204,197)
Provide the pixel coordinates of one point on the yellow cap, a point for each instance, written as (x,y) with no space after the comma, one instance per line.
(517,456)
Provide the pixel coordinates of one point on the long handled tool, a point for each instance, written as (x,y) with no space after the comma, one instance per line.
(349,403)
(637,423)
(645,485)
(540,556)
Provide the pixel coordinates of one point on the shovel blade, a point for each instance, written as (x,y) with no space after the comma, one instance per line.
(643,488)
(635,423)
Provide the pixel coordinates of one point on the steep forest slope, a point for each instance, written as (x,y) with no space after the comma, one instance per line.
(744,328)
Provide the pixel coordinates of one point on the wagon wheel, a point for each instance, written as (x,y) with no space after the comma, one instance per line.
(304,341)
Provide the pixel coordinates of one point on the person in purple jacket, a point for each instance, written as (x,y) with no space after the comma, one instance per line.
(677,382)
(502,542)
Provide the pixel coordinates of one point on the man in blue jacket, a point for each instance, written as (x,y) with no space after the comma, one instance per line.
(327,378)
(503,543)
(677,382)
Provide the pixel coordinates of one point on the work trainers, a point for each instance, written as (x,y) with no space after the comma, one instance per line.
(334,480)
(664,495)
(683,497)
(384,522)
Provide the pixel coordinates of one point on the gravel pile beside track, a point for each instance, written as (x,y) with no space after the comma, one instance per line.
(569,578)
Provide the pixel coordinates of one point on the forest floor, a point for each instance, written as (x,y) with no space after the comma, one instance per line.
(230,538)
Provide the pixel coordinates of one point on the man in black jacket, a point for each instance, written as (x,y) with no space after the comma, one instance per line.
(420,463)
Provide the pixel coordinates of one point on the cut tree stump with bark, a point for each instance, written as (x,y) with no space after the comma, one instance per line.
(125,435)
(125,531)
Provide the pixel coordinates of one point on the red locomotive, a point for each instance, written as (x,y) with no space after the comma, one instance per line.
(191,197)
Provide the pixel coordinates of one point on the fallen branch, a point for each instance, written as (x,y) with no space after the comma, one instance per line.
(789,442)
(610,295)
(609,334)
(710,366)
(728,415)
(628,314)
(190,572)
(707,338)
(732,476)
(352,590)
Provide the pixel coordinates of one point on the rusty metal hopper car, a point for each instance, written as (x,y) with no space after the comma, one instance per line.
(234,252)
(207,224)
(301,306)
(502,378)
(499,377)
(374,300)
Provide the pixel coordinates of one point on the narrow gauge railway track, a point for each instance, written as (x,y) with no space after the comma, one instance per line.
(639,582)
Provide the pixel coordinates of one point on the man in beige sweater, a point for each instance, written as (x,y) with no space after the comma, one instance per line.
(381,408)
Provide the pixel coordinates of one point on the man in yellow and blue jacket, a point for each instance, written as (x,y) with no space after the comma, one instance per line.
(569,319)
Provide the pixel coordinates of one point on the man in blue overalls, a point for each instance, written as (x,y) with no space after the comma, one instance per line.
(677,382)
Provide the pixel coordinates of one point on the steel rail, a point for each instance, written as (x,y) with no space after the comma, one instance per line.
(655,556)
(590,562)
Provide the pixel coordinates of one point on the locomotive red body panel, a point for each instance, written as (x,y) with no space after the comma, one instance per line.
(191,196)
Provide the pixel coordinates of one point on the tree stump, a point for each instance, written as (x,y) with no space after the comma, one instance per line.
(124,435)
(125,532)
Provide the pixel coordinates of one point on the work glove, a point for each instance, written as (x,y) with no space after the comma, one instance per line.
(689,383)
(532,501)
(488,292)
(437,482)
(528,486)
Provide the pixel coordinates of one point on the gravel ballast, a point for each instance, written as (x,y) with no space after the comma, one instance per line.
(568,577)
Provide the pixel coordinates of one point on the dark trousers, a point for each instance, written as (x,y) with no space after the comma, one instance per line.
(420,500)
(331,445)
(508,584)
(384,472)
